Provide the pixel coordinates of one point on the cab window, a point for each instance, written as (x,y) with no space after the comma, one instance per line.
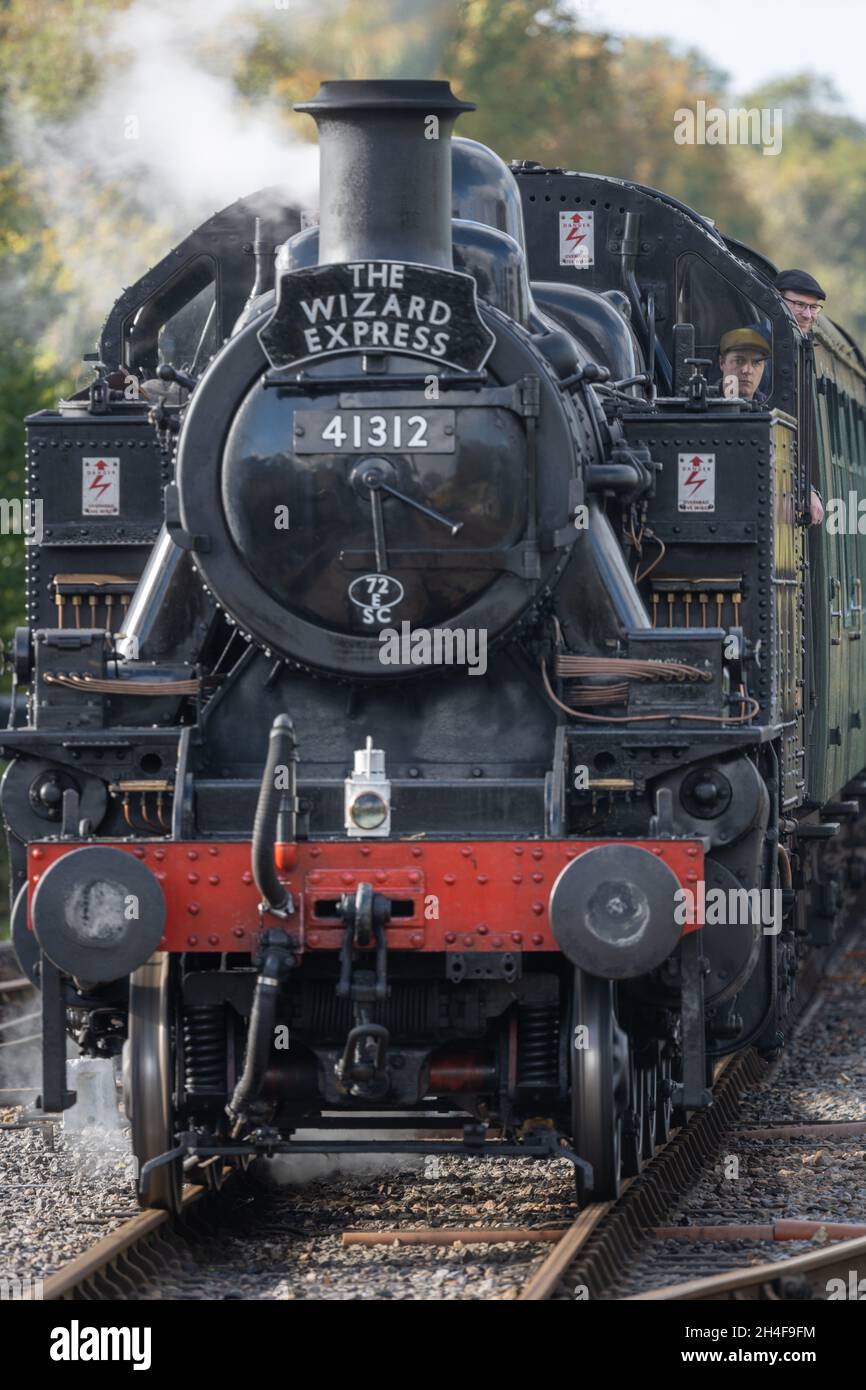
(707,299)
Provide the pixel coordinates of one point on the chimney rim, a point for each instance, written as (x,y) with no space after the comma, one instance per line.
(385,94)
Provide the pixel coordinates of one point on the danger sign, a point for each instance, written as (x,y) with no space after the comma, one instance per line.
(577,239)
(100,487)
(697,482)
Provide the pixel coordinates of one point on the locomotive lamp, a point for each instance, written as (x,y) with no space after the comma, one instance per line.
(368,794)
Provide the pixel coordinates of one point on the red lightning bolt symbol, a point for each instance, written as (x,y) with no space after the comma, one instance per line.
(99,485)
(693,480)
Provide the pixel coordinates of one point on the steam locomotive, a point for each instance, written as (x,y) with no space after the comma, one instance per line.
(424,658)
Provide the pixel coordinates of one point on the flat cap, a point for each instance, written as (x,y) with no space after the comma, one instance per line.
(801,282)
(743,338)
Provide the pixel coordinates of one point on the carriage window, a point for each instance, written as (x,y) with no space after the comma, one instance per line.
(716,307)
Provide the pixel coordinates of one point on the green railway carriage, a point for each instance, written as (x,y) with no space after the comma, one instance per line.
(835,409)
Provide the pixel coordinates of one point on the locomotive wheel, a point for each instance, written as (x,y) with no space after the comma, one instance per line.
(599,1084)
(633,1121)
(650,1075)
(150,1072)
(664,1104)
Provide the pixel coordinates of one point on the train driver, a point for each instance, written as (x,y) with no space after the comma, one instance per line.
(743,354)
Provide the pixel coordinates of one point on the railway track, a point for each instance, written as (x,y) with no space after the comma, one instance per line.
(619,1244)
(585,1258)
(151,1248)
(139,1250)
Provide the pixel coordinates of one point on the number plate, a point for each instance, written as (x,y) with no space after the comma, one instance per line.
(362,431)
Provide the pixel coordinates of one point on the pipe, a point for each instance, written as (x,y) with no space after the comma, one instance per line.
(277,960)
(462,1072)
(282,752)
(157,584)
(263,279)
(613,571)
(618,477)
(823,1130)
(779,1230)
(785,867)
(385,171)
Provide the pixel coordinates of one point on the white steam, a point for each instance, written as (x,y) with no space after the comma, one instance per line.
(166,141)
(182,123)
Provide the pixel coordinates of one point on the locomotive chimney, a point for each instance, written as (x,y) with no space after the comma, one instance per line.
(385,170)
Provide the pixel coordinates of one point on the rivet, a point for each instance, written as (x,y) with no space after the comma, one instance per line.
(213,878)
(517,936)
(192,854)
(212,849)
(482,929)
(496,941)
(414,878)
(366,851)
(517,878)
(213,939)
(347,878)
(538,939)
(691,876)
(139,852)
(482,878)
(246,876)
(691,852)
(571,854)
(538,878)
(381,877)
(159,854)
(192,941)
(449,878)
(538,854)
(657,849)
(193,909)
(417,939)
(313,938)
(237,931)
(518,849)
(192,878)
(466,851)
(38,853)
(416,852)
(467,941)
(450,937)
(315,852)
(538,908)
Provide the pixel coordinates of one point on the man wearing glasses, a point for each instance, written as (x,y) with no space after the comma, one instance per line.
(803,294)
(804,297)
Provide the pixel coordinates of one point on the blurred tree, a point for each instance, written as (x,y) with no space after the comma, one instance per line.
(544,89)
(813,195)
